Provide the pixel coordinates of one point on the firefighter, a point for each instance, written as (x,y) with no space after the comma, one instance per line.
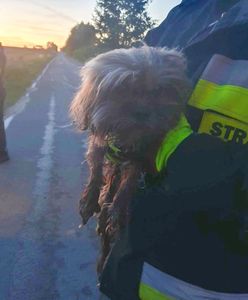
(211,34)
(187,237)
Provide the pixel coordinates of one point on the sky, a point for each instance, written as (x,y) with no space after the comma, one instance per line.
(35,22)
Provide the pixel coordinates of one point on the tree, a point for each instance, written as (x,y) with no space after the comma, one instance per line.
(82,36)
(121,23)
(51,46)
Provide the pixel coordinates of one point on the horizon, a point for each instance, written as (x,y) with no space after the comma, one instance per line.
(27,23)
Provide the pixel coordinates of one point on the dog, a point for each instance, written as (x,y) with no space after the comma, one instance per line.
(129,99)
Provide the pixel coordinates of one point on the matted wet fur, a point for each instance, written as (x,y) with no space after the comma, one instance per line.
(129,99)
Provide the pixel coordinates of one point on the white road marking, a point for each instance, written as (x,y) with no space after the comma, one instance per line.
(33,86)
(16,109)
(45,163)
(19,107)
(29,274)
(8,121)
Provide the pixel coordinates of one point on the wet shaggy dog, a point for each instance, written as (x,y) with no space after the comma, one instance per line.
(129,99)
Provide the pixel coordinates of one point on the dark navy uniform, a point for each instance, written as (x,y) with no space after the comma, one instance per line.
(187,238)
(190,224)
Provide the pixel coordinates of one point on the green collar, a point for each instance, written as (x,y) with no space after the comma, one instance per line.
(171,141)
(113,153)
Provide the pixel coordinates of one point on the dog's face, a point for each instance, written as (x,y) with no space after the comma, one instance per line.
(131,96)
(133,120)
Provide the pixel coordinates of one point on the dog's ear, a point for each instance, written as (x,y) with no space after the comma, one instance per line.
(84,101)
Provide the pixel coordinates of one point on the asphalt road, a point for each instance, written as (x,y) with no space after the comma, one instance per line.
(43,254)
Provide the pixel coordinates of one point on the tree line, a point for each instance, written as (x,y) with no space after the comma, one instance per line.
(116,24)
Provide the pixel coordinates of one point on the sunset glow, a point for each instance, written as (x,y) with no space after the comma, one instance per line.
(35,22)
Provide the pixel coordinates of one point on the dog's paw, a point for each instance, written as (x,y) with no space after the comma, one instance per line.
(87,210)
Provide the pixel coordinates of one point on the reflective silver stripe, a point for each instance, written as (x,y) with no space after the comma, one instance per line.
(181,290)
(225,71)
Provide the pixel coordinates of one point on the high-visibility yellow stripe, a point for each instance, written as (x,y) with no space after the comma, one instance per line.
(223,127)
(171,141)
(229,100)
(148,293)
(157,285)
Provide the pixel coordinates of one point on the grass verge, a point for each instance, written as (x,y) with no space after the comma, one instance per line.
(19,77)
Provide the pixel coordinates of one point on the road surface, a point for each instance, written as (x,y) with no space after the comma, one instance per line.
(43,254)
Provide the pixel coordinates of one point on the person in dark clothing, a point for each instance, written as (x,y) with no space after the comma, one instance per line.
(3,147)
(202,29)
(187,237)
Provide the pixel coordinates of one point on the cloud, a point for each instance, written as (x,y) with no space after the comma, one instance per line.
(47,27)
(53,11)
